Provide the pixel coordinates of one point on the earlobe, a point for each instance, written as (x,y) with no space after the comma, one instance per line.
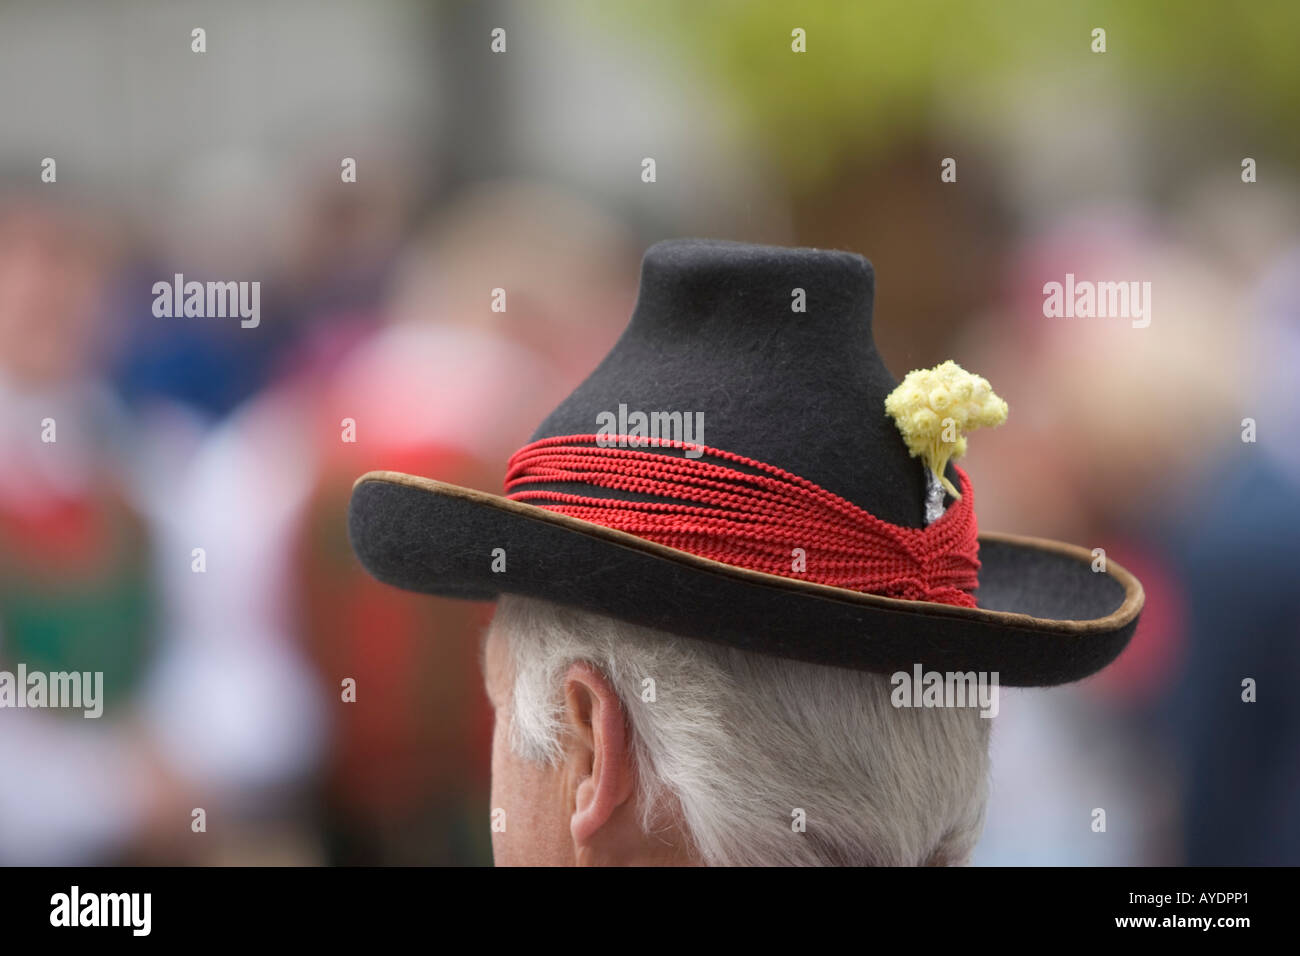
(599,763)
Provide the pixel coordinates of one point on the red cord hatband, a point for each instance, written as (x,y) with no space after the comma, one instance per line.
(753,518)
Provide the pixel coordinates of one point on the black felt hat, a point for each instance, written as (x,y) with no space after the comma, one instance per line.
(714,331)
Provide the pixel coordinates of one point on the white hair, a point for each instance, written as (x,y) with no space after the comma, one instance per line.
(734,744)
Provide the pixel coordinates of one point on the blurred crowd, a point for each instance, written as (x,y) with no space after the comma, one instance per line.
(182,526)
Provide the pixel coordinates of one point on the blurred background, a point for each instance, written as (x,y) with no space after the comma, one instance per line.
(522,170)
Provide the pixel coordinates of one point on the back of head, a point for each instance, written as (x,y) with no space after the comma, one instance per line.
(762,761)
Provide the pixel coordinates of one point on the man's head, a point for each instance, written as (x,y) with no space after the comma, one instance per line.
(616,744)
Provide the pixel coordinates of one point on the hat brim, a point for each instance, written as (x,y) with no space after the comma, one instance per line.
(1045,617)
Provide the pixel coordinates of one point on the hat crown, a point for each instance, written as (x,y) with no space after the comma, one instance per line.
(689,283)
(771,348)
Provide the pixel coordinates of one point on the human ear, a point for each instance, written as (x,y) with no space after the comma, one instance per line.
(598,765)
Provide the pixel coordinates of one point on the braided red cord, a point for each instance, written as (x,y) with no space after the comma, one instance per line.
(753,519)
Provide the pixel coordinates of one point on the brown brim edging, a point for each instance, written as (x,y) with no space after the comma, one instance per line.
(1134,597)
(424,535)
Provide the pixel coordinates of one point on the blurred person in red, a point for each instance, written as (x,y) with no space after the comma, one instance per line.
(76,589)
(493,309)
(99,525)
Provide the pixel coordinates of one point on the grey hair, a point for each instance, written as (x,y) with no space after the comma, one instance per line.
(734,744)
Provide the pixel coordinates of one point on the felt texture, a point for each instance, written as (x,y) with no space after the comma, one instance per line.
(713,331)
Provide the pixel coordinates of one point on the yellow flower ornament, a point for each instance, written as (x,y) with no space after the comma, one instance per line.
(934,407)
